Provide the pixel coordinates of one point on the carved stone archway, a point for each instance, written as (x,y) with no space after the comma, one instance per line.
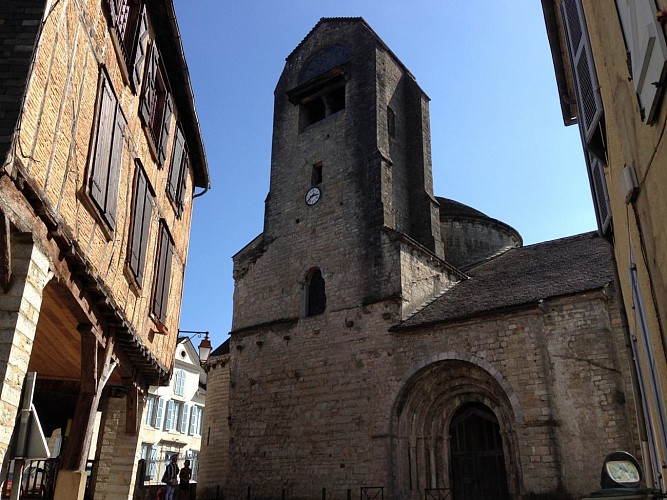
(422,419)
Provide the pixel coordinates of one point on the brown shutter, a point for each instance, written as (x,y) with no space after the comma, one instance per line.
(185,166)
(140,49)
(176,159)
(102,153)
(149,94)
(141,220)
(115,166)
(137,216)
(163,275)
(164,134)
(167,279)
(145,230)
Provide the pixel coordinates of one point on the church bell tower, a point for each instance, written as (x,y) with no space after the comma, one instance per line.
(350,177)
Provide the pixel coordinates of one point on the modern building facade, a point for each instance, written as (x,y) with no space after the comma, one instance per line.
(101,156)
(611,67)
(385,339)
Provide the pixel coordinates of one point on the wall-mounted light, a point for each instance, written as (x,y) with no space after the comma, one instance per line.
(204,345)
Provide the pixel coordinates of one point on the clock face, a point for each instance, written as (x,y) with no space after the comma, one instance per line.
(623,471)
(313,195)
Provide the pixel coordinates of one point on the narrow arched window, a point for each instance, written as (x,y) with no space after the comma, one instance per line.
(316,297)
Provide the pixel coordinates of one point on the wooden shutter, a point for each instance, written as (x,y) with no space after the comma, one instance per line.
(163,275)
(115,166)
(137,223)
(184,172)
(149,94)
(113,9)
(143,211)
(140,48)
(589,102)
(176,159)
(600,195)
(164,133)
(102,152)
(122,18)
(646,45)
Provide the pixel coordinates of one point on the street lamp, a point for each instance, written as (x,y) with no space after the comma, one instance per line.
(204,345)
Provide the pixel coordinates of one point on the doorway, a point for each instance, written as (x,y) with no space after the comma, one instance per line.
(477,458)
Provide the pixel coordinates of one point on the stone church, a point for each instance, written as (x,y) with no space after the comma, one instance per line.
(389,342)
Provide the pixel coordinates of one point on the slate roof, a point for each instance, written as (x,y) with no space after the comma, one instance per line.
(221,349)
(520,277)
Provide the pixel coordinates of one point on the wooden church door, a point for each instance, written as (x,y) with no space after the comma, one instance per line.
(477,459)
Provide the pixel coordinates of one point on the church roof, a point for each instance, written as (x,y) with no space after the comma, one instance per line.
(522,276)
(453,208)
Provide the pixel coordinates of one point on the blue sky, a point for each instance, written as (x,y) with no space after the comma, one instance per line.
(497,134)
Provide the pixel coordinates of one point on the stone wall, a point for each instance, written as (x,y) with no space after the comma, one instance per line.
(20,306)
(214,455)
(116,453)
(316,404)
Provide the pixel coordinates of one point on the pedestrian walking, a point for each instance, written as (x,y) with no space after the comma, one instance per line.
(170,477)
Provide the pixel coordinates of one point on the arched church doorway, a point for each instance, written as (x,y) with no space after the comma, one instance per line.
(453,433)
(477,458)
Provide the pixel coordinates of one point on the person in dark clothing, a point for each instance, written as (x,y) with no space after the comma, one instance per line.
(184,487)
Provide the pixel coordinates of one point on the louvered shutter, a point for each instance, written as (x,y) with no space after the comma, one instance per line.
(589,103)
(600,195)
(152,470)
(143,211)
(163,278)
(184,420)
(113,9)
(145,231)
(167,279)
(135,241)
(648,52)
(102,152)
(164,133)
(159,277)
(169,419)
(176,158)
(149,94)
(115,166)
(193,420)
(140,49)
(184,172)
(158,413)
(122,18)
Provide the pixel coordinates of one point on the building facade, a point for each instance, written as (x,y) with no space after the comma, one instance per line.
(611,70)
(404,343)
(172,419)
(101,156)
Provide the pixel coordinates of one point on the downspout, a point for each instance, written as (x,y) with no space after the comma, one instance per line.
(639,402)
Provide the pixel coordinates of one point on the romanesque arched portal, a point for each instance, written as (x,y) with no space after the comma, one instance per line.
(440,407)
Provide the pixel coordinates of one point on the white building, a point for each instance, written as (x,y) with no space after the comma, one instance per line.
(172,417)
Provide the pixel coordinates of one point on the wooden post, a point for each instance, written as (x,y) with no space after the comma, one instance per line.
(95,372)
(133,407)
(5,252)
